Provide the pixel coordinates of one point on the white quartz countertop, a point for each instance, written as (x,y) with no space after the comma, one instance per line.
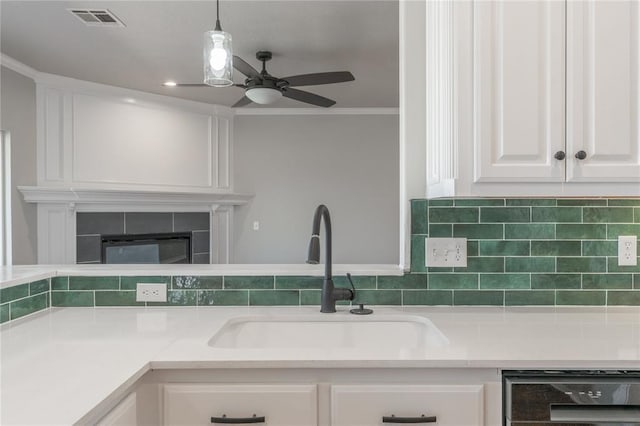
(57,365)
(14,275)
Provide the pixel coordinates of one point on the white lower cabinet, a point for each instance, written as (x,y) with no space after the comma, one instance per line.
(442,405)
(123,414)
(201,404)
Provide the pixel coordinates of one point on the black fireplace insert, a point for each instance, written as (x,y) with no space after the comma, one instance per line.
(146,248)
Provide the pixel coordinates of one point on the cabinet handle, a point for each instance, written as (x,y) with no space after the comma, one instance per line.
(581,155)
(560,155)
(237,420)
(421,419)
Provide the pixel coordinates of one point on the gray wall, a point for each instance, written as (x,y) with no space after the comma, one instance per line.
(18,116)
(294,163)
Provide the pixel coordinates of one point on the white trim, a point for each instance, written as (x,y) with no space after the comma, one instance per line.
(19,67)
(6,245)
(317,111)
(50,195)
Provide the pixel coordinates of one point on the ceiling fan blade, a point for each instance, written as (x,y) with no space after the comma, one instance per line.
(319,78)
(245,68)
(242,102)
(310,98)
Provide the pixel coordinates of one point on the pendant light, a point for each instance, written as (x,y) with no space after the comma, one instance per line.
(218,55)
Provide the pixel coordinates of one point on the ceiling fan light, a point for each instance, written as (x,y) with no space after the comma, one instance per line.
(218,59)
(263,95)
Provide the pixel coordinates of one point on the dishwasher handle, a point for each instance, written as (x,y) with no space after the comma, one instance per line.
(595,413)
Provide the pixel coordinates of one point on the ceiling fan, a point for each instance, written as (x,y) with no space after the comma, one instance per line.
(263,88)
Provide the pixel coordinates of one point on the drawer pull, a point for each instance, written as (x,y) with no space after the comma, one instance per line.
(237,420)
(421,419)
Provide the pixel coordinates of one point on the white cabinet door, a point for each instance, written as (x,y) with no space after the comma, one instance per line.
(603,90)
(519,74)
(281,405)
(124,414)
(366,405)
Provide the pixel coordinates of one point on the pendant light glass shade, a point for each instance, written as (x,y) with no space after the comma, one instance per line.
(218,59)
(218,55)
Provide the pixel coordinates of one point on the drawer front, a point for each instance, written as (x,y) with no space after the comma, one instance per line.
(281,405)
(366,405)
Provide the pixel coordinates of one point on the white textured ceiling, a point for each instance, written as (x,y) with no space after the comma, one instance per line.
(162,41)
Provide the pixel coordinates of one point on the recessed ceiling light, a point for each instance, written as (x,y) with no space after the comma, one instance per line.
(130,100)
(170,84)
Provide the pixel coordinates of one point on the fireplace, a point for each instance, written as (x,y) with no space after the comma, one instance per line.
(172,247)
(142,237)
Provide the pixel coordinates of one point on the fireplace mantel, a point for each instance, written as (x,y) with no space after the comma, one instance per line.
(57,208)
(128,198)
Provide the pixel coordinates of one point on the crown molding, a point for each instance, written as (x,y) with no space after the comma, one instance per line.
(19,67)
(316,111)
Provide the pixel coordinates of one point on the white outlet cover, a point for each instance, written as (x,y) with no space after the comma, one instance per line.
(151,292)
(445,252)
(627,250)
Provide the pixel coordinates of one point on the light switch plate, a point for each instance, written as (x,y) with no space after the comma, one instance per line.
(445,252)
(627,250)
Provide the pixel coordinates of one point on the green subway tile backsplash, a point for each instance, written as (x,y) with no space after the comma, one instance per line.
(504,281)
(556,214)
(94,283)
(529,297)
(479,231)
(607,214)
(12,293)
(556,281)
(29,305)
(556,248)
(581,231)
(505,214)
(4,313)
(521,251)
(248,283)
(427,297)
(533,251)
(453,215)
(504,248)
(72,298)
(37,287)
(607,281)
(532,231)
(116,298)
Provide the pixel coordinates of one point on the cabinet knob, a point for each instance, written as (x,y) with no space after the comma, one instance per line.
(581,155)
(560,155)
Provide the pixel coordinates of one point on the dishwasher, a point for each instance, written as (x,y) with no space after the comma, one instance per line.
(571,398)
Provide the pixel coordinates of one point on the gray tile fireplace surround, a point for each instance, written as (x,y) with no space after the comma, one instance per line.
(90,226)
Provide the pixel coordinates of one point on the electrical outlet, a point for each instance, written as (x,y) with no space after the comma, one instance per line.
(151,292)
(445,252)
(627,250)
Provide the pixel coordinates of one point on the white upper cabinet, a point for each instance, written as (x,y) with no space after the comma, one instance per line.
(546,99)
(519,73)
(603,90)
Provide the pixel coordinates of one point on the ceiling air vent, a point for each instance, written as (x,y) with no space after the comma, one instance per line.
(97,17)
